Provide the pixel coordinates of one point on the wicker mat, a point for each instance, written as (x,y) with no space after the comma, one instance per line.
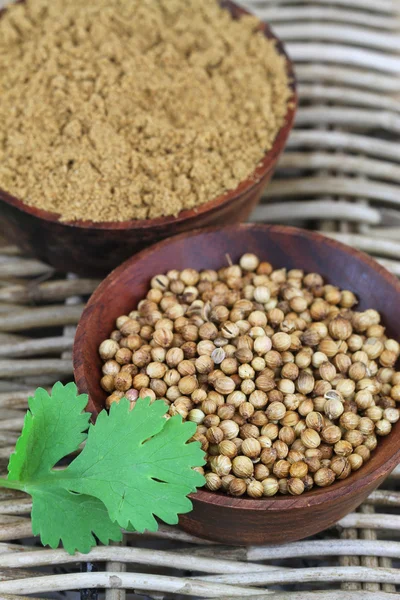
(340,175)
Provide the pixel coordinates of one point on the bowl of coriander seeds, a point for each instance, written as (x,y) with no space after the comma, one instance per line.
(281,345)
(124,122)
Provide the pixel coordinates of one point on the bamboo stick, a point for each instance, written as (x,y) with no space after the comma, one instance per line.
(376,521)
(116,567)
(7,547)
(6,307)
(354,118)
(334,186)
(342,54)
(11,574)
(54,345)
(142,556)
(340,33)
(135,581)
(23,267)
(50,291)
(387,563)
(370,80)
(14,424)
(339,140)
(16,368)
(370,560)
(344,163)
(14,597)
(5,519)
(320,595)
(12,531)
(45,380)
(385,232)
(383,6)
(313,209)
(17,399)
(12,386)
(348,96)
(8,338)
(209,564)
(10,413)
(309,575)
(380,246)
(323,13)
(320,548)
(8,495)
(349,560)
(8,438)
(48,316)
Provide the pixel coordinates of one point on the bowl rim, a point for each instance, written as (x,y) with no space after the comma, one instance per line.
(358,480)
(243,188)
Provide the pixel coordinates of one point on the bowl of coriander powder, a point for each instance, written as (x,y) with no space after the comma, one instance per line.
(123,122)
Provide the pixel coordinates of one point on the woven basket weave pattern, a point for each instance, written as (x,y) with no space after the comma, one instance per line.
(340,175)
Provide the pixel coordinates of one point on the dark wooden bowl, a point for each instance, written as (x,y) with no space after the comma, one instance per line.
(93,249)
(217,516)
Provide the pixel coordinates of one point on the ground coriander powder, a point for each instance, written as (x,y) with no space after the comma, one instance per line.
(133,109)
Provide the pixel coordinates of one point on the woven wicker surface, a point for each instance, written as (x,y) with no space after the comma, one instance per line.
(340,175)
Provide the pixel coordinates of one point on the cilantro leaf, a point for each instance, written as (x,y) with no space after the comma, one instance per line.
(59,515)
(138,464)
(54,426)
(135,465)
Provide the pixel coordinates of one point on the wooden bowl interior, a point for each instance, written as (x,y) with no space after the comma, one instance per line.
(283,247)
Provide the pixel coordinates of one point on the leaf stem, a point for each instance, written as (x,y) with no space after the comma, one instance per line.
(8,483)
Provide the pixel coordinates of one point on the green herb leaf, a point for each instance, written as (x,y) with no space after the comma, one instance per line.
(59,515)
(135,464)
(138,464)
(54,426)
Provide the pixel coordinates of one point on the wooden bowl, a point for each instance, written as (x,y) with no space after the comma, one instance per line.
(216,516)
(93,249)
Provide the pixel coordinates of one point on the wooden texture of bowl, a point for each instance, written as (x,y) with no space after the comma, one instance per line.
(93,249)
(217,516)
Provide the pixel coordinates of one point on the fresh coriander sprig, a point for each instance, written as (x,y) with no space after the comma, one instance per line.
(135,466)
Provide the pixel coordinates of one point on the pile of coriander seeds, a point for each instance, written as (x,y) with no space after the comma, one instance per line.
(289,385)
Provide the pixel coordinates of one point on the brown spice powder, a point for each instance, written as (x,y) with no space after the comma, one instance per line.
(132,109)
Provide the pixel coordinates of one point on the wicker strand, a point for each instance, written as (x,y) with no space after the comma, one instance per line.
(342,163)
(121,554)
(319,595)
(369,561)
(135,581)
(339,33)
(323,14)
(346,55)
(321,548)
(50,291)
(309,575)
(34,318)
(338,74)
(383,6)
(343,140)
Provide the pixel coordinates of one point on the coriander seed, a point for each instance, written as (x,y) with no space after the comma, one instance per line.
(213,481)
(288,390)
(242,467)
